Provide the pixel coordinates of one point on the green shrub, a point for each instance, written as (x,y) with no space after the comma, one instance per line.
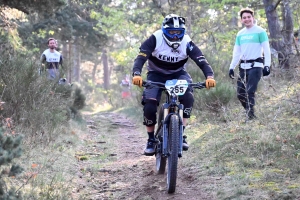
(9,150)
(32,101)
(215,98)
(78,102)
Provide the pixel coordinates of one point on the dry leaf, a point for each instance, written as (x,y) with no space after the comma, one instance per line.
(34,165)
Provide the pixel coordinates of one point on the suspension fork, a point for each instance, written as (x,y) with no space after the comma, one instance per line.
(180,108)
(166,132)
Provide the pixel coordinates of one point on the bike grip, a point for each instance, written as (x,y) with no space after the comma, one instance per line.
(202,84)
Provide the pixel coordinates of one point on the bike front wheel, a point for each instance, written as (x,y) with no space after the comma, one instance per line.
(173,149)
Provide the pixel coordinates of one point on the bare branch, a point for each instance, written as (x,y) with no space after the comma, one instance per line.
(278,2)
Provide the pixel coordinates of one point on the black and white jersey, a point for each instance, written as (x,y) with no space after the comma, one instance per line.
(53,59)
(164,59)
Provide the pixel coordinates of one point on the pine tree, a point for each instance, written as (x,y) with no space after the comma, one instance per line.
(10,148)
(29,6)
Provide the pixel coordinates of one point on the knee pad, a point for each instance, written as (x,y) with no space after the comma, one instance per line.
(150,109)
(188,101)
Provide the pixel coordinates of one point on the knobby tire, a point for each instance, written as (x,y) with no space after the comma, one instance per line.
(173,148)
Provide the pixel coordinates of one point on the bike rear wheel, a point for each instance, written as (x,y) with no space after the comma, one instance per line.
(173,144)
(161,162)
(160,115)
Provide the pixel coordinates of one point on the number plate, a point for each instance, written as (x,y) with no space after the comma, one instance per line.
(176,86)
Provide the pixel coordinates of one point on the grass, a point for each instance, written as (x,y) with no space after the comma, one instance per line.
(49,167)
(257,158)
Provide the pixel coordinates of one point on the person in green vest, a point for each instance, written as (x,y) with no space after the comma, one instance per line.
(253,56)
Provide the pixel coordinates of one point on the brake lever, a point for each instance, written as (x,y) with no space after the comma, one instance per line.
(201,85)
(148,84)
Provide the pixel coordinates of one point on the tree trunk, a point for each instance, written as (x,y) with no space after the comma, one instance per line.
(234,19)
(105,70)
(65,59)
(76,62)
(276,39)
(96,63)
(70,63)
(287,32)
(189,18)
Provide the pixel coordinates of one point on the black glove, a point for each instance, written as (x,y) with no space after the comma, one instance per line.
(231,73)
(266,71)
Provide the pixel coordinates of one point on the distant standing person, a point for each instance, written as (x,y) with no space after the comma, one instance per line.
(51,59)
(252,53)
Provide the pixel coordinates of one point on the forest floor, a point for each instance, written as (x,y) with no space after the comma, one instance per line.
(111,165)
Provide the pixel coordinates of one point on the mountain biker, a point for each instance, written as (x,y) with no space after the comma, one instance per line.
(167,51)
(51,59)
(250,45)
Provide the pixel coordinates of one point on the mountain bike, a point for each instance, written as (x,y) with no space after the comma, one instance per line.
(169,132)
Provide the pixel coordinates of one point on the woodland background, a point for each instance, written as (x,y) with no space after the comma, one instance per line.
(99,41)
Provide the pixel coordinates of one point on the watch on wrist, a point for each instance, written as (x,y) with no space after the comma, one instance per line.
(137,73)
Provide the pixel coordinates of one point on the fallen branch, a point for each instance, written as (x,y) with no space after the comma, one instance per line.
(88,153)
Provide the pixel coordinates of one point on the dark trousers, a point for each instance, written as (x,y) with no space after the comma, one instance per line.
(247,86)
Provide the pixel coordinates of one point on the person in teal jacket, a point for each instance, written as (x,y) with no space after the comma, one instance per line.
(253,56)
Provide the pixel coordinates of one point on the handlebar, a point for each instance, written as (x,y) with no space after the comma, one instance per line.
(149,84)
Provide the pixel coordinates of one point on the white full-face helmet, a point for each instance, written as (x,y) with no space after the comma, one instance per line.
(173,28)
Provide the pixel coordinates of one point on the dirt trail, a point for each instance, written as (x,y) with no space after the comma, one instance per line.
(126,173)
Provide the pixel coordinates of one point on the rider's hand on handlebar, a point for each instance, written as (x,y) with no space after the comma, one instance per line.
(210,82)
(137,79)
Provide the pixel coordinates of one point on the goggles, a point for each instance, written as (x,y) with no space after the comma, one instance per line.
(175,32)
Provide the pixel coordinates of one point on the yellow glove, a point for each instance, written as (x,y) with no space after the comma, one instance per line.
(210,82)
(137,80)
